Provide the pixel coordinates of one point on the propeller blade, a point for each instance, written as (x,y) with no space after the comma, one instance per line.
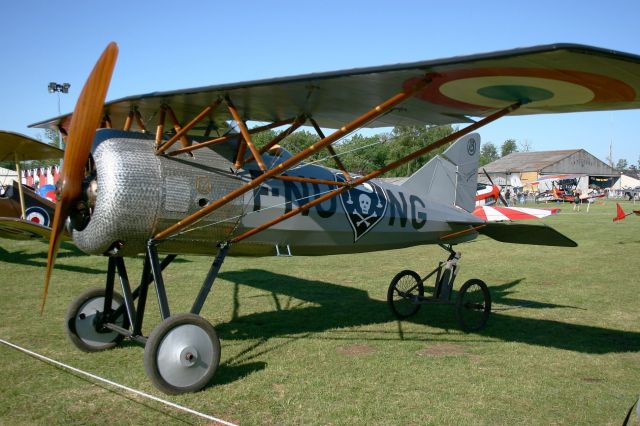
(504,202)
(84,122)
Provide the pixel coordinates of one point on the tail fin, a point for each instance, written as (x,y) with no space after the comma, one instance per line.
(451,178)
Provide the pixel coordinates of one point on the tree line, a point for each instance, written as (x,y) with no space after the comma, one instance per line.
(363,154)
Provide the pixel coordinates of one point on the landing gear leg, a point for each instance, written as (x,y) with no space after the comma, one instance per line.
(183,351)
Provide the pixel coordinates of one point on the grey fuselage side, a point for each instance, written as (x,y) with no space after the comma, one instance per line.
(141,193)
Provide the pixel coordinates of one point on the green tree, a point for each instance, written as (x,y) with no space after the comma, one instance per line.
(295,142)
(488,153)
(508,147)
(363,154)
(405,140)
(622,165)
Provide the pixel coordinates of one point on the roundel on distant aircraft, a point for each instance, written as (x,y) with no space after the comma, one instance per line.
(38,215)
(488,89)
(48,192)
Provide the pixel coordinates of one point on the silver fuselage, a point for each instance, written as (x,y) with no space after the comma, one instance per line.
(140,194)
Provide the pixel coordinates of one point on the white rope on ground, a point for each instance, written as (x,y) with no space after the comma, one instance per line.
(117,385)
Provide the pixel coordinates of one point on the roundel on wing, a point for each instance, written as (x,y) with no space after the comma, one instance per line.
(488,89)
(37,215)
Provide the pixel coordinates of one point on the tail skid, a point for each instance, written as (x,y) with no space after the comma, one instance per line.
(450,178)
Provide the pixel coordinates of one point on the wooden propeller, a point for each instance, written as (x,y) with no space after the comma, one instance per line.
(84,122)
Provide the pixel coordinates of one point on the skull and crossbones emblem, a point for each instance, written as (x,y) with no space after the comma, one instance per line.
(365,206)
(364,201)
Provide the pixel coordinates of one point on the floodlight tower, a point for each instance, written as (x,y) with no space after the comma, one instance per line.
(59,88)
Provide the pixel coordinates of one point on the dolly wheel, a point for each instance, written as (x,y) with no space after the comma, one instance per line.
(182,354)
(404,294)
(473,305)
(83,321)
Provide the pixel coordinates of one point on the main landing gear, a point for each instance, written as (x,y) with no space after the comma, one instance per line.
(406,294)
(181,354)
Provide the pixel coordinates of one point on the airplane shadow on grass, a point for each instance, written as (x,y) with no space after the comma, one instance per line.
(67,251)
(40,259)
(316,306)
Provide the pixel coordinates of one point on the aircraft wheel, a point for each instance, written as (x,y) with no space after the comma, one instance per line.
(473,305)
(404,292)
(82,320)
(182,354)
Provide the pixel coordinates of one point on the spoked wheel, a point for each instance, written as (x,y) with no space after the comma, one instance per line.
(473,305)
(182,354)
(404,294)
(84,318)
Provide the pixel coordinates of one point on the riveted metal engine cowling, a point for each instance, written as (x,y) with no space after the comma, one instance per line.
(140,193)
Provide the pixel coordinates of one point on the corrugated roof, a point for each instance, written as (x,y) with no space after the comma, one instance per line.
(528,161)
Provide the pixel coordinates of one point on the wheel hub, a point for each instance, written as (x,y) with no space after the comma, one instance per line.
(188,356)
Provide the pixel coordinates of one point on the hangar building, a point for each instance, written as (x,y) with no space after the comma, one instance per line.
(519,169)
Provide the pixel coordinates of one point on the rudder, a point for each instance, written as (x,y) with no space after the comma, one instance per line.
(452,177)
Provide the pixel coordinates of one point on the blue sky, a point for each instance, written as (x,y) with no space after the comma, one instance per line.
(166,45)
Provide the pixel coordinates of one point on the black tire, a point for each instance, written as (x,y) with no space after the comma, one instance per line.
(182,354)
(473,305)
(82,318)
(404,293)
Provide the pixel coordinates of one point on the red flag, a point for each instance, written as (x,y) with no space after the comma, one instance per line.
(619,213)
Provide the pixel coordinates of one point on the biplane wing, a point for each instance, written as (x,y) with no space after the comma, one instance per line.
(20,229)
(545,79)
(23,213)
(18,147)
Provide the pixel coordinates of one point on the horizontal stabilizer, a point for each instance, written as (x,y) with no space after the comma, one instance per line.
(500,214)
(517,233)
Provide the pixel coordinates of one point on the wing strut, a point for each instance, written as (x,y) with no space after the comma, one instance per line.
(376,173)
(384,107)
(182,131)
(221,139)
(246,136)
(331,151)
(23,209)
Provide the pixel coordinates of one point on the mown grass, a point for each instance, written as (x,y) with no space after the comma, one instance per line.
(311,340)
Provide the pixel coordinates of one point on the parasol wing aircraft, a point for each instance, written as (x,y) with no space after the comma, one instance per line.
(178,173)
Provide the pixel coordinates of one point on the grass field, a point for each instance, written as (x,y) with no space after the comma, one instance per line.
(311,340)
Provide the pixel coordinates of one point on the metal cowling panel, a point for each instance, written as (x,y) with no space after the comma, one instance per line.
(140,193)
(129,193)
